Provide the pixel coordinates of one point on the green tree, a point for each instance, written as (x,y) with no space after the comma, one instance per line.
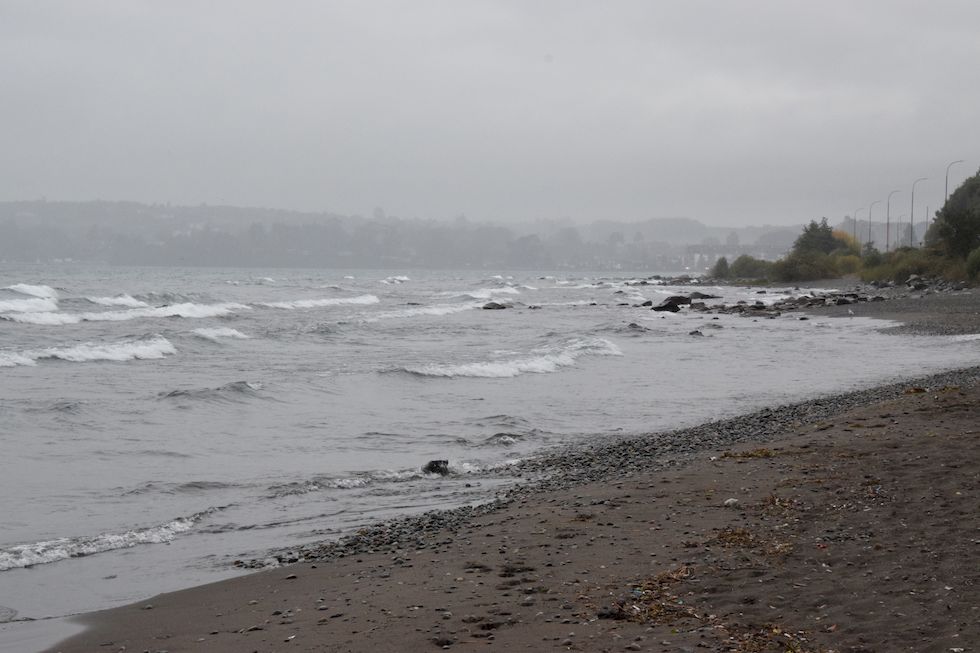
(720,269)
(816,237)
(957,225)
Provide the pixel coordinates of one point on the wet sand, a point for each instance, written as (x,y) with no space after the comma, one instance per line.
(855,532)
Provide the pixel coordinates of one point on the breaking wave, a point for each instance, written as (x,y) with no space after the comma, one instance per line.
(44,292)
(319,303)
(35,305)
(220,332)
(489,293)
(542,361)
(149,348)
(118,300)
(39,553)
(416,311)
(394,280)
(188,310)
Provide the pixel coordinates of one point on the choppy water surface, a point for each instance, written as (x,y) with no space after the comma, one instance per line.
(157,424)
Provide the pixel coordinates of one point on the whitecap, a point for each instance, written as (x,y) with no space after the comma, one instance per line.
(220,332)
(39,553)
(435,309)
(35,305)
(44,292)
(394,280)
(489,293)
(187,309)
(320,303)
(541,361)
(118,300)
(145,349)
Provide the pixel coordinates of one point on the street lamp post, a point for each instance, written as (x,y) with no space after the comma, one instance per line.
(855,228)
(912,212)
(869,220)
(888,215)
(946,197)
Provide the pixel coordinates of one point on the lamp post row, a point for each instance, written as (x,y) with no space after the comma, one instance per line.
(888,210)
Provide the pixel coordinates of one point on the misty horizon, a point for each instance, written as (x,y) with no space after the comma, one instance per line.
(755,113)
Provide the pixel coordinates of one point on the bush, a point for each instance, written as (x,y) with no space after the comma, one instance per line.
(804,266)
(846,264)
(903,263)
(748,267)
(973,264)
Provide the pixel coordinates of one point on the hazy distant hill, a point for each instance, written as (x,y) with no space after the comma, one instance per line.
(133,233)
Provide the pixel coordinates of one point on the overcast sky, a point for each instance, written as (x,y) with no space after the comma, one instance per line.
(730,112)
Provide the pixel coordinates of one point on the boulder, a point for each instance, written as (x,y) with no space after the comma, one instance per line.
(494,306)
(440,467)
(667,305)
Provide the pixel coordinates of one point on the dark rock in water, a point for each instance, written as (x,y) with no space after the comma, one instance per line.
(648,302)
(493,306)
(701,295)
(696,332)
(679,299)
(637,327)
(440,467)
(667,305)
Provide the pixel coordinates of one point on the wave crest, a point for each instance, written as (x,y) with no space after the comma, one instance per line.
(118,300)
(39,553)
(27,306)
(143,349)
(220,332)
(44,292)
(187,310)
(320,303)
(543,361)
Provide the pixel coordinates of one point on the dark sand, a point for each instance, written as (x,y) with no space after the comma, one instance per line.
(857,533)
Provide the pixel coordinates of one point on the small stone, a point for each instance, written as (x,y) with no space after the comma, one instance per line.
(731,503)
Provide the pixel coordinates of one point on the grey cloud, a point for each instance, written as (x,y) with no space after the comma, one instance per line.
(729,112)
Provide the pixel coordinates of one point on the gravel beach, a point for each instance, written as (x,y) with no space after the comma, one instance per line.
(845,523)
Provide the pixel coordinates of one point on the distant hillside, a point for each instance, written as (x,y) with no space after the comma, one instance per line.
(131,233)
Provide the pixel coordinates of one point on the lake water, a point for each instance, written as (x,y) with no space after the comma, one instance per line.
(158,424)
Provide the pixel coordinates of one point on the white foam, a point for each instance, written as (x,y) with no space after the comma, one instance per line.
(150,348)
(542,361)
(489,293)
(435,309)
(44,292)
(187,309)
(13,359)
(118,300)
(39,553)
(35,305)
(320,303)
(220,332)
(394,280)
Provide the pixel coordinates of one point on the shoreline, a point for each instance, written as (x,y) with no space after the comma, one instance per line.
(338,570)
(580,466)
